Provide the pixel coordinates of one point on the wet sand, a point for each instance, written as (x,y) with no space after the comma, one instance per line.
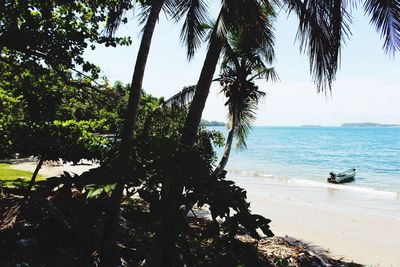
(363,227)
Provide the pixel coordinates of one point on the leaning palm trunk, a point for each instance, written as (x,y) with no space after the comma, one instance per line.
(228,146)
(108,255)
(196,108)
(164,245)
(34,175)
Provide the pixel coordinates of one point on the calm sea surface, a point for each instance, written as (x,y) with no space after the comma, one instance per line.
(308,154)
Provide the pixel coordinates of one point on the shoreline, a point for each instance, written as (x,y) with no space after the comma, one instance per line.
(311,180)
(353,226)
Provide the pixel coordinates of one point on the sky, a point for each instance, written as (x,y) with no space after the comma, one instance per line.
(366,88)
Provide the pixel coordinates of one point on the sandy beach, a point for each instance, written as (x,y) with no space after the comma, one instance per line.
(363,227)
(50,170)
(359,226)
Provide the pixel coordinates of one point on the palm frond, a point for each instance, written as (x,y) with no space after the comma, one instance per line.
(169,7)
(180,99)
(268,73)
(221,28)
(340,20)
(115,16)
(145,9)
(385,15)
(230,56)
(246,118)
(252,29)
(193,30)
(323,25)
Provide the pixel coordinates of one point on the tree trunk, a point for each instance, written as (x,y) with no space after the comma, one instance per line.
(163,249)
(164,245)
(107,250)
(34,175)
(228,146)
(192,122)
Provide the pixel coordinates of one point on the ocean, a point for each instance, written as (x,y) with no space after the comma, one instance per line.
(306,155)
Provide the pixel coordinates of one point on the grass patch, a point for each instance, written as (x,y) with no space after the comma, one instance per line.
(10,177)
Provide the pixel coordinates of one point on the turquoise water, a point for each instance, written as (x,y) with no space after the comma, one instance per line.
(308,154)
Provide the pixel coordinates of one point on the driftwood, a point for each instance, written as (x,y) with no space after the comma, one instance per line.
(10,217)
(288,251)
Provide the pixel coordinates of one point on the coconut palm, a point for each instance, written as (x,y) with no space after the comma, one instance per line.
(109,235)
(243,64)
(192,33)
(249,14)
(323,27)
(196,11)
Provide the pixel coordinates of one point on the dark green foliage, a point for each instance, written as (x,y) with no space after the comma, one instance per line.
(11,112)
(163,162)
(158,160)
(36,99)
(54,109)
(43,117)
(67,140)
(55,32)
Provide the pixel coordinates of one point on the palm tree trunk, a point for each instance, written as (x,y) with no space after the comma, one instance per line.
(164,244)
(107,251)
(228,146)
(192,122)
(34,175)
(163,248)
(137,80)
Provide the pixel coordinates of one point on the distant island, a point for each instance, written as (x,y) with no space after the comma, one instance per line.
(212,123)
(369,124)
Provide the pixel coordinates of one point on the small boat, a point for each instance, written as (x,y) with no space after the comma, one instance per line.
(343,177)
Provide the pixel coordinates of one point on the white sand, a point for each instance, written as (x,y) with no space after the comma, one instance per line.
(49,171)
(363,227)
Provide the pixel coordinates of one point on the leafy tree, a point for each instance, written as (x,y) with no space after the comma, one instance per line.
(47,39)
(31,120)
(11,113)
(55,33)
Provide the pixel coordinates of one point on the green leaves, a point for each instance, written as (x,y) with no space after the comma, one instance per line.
(95,191)
(68,140)
(56,33)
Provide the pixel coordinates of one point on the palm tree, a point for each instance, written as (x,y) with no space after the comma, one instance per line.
(243,64)
(231,14)
(249,14)
(323,26)
(195,10)
(108,257)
